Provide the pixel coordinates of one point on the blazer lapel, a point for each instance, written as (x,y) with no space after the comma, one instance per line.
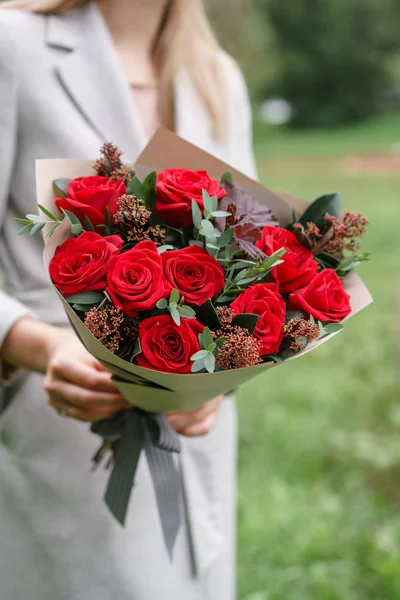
(93,78)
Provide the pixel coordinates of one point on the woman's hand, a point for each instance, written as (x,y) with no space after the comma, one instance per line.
(78,386)
(196,422)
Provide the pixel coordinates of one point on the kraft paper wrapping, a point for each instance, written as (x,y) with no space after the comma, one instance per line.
(145,388)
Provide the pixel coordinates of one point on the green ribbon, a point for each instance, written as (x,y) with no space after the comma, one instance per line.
(137,430)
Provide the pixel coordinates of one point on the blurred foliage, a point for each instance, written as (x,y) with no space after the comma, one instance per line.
(335,61)
(319,463)
(332,56)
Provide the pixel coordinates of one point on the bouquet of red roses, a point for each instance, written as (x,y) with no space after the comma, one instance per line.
(185,283)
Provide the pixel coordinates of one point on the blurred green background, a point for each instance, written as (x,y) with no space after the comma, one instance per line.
(319,464)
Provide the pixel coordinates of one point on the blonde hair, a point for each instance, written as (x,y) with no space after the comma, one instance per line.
(184,39)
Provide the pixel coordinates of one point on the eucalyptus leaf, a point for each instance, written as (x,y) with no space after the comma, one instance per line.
(198,366)
(149,190)
(48,213)
(220,342)
(77,229)
(89,224)
(135,188)
(73,219)
(85,298)
(207,228)
(187,312)
(199,354)
(175,316)
(212,246)
(221,213)
(23,221)
(36,228)
(36,218)
(81,307)
(164,248)
(212,347)
(163,303)
(206,337)
(174,297)
(209,363)
(196,243)
(196,215)
(60,187)
(226,237)
(294,314)
(52,230)
(333,328)
(25,228)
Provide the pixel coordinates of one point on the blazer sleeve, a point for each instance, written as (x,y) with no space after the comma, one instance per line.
(10,309)
(242,151)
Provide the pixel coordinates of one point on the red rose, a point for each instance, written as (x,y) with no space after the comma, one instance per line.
(166,346)
(299,265)
(81,264)
(264,299)
(136,281)
(176,188)
(194,273)
(324,298)
(89,196)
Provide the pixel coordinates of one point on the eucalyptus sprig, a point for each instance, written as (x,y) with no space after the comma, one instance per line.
(175,305)
(214,239)
(252,272)
(35,223)
(204,359)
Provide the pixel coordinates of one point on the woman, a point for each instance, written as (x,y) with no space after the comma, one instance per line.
(74,74)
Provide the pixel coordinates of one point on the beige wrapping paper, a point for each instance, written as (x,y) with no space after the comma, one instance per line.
(145,388)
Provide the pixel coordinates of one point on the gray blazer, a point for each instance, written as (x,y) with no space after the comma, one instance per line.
(62,94)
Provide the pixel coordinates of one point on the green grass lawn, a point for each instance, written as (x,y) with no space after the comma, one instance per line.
(319,465)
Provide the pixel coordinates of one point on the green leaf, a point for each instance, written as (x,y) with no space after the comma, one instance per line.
(224,298)
(36,218)
(77,229)
(226,237)
(186,311)
(85,298)
(81,307)
(164,248)
(36,228)
(212,246)
(205,338)
(209,363)
(207,201)
(294,314)
(206,315)
(207,228)
(52,230)
(333,328)
(25,228)
(315,212)
(220,213)
(89,224)
(227,177)
(174,297)
(48,213)
(220,341)
(199,354)
(327,260)
(212,347)
(246,320)
(196,243)
(274,357)
(108,219)
(137,349)
(198,366)
(312,320)
(163,303)
(60,187)
(149,190)
(175,316)
(196,215)
(135,188)
(23,221)
(73,219)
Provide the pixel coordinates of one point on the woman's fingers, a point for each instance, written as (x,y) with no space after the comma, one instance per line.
(200,428)
(86,415)
(82,397)
(83,375)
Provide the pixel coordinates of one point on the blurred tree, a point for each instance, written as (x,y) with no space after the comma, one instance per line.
(332,56)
